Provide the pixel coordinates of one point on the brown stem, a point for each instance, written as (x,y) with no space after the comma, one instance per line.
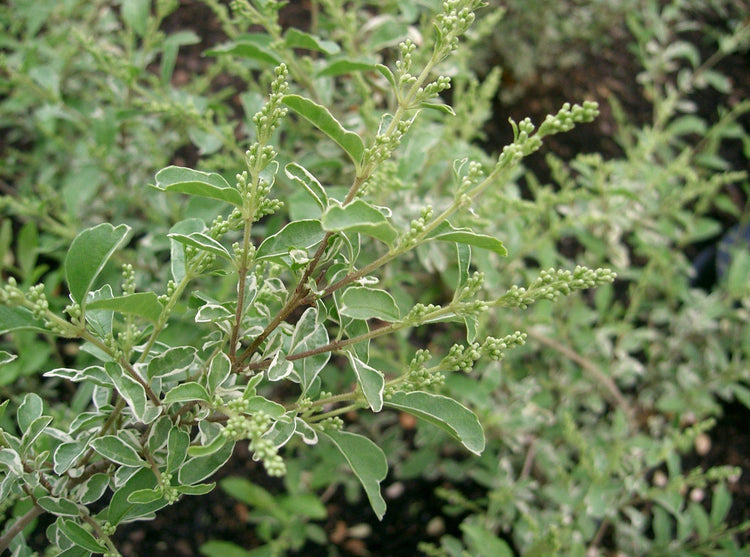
(19,525)
(615,395)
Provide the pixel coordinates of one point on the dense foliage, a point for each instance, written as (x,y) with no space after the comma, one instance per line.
(300,242)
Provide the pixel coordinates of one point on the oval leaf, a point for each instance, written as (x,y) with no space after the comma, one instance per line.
(202,242)
(115,449)
(142,304)
(359,302)
(194,182)
(371,381)
(445,232)
(368,463)
(88,254)
(17,319)
(196,469)
(247,49)
(186,392)
(304,178)
(80,536)
(319,117)
(302,234)
(346,66)
(449,415)
(359,216)
(294,38)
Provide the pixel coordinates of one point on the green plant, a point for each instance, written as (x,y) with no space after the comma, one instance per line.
(238,344)
(594,451)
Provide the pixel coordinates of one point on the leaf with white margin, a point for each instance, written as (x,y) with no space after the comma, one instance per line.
(371,381)
(449,415)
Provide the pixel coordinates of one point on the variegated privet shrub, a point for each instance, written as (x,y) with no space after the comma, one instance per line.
(275,315)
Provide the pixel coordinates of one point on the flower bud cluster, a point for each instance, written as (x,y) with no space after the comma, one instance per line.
(385,144)
(495,348)
(257,156)
(403,65)
(418,377)
(265,451)
(218,227)
(10,294)
(457,17)
(128,279)
(38,298)
(472,177)
(171,287)
(333,423)
(170,493)
(432,90)
(471,287)
(416,227)
(553,283)
(420,312)
(267,120)
(567,117)
(461,358)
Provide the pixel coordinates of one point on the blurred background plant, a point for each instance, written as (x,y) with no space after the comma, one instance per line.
(602,430)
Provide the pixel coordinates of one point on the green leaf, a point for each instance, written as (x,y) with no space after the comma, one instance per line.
(440,107)
(177,250)
(359,216)
(142,304)
(120,509)
(261,404)
(30,409)
(171,47)
(115,449)
(66,454)
(445,232)
(368,463)
(6,357)
(217,548)
(447,414)
(247,47)
(294,38)
(172,362)
(346,66)
(253,495)
(88,254)
(386,72)
(303,234)
(80,536)
(205,450)
(218,371)
(371,381)
(130,389)
(58,506)
(196,469)
(145,496)
(319,117)
(186,392)
(198,489)
(308,334)
(309,182)
(202,242)
(721,503)
(359,302)
(177,446)
(484,542)
(135,13)
(305,504)
(35,429)
(18,319)
(194,182)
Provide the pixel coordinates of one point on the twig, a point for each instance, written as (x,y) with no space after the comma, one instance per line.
(615,395)
(19,525)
